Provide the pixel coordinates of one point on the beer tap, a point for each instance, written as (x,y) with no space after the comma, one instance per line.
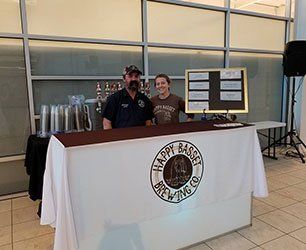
(113,88)
(106,90)
(119,86)
(99,97)
(142,88)
(147,89)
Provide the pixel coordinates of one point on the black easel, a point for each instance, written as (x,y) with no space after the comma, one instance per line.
(294,139)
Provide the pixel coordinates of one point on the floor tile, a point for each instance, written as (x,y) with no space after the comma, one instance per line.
(5,219)
(285,167)
(23,202)
(260,232)
(299,174)
(260,208)
(287,179)
(301,185)
(5,206)
(21,194)
(271,172)
(277,200)
(25,214)
(5,197)
(200,247)
(43,242)
(293,193)
(284,243)
(300,234)
(275,185)
(231,241)
(282,221)
(31,229)
(268,161)
(298,210)
(5,235)
(6,247)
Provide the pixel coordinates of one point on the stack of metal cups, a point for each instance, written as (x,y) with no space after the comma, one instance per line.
(78,117)
(69,119)
(44,121)
(59,118)
(52,119)
(93,119)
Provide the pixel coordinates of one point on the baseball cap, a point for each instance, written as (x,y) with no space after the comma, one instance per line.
(129,69)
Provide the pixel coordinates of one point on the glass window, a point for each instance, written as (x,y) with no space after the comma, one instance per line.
(265,77)
(219,3)
(270,7)
(292,8)
(107,19)
(176,61)
(256,33)
(13,178)
(56,92)
(10,16)
(184,25)
(64,58)
(14,113)
(291,35)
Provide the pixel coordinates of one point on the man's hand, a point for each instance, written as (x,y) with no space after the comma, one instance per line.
(148,122)
(107,124)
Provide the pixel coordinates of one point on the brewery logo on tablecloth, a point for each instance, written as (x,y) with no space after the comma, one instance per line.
(176,171)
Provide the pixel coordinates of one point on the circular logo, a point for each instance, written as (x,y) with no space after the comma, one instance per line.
(176,171)
(141,103)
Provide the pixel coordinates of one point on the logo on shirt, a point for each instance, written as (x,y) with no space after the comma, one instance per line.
(124,105)
(141,103)
(176,171)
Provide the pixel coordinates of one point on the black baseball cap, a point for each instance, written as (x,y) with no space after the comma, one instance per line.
(129,69)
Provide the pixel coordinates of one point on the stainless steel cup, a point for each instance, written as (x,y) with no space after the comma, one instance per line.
(59,118)
(78,118)
(52,119)
(44,120)
(93,118)
(68,119)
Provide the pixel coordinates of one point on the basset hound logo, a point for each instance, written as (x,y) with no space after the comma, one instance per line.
(177,171)
(141,103)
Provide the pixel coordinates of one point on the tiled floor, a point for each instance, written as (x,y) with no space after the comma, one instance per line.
(20,228)
(279,221)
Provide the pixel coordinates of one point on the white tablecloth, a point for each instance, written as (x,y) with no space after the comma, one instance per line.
(89,189)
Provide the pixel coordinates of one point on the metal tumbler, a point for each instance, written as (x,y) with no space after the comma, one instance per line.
(44,120)
(59,118)
(68,119)
(78,118)
(52,119)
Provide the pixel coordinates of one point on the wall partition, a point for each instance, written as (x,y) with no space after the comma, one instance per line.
(264,84)
(49,51)
(115,20)
(14,110)
(77,59)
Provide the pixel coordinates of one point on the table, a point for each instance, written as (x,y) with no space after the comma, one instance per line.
(269,125)
(129,189)
(35,161)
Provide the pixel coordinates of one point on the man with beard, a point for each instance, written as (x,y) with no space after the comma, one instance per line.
(128,107)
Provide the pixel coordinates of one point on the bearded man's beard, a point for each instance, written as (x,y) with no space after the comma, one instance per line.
(133,85)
